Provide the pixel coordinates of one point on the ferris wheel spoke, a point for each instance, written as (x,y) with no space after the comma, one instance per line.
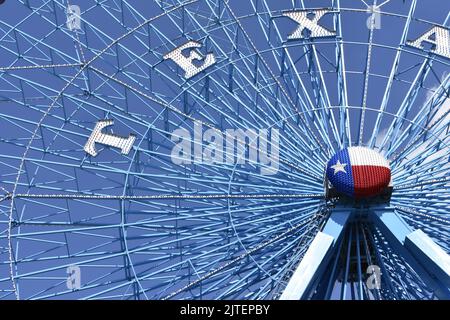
(406,105)
(148,274)
(244,281)
(362,113)
(291,130)
(422,183)
(433,170)
(432,207)
(87,228)
(118,113)
(393,74)
(69,132)
(434,102)
(290,146)
(273,76)
(420,205)
(311,56)
(429,228)
(167,196)
(307,132)
(17,31)
(141,176)
(291,261)
(418,247)
(233,261)
(402,277)
(149,224)
(45,66)
(413,128)
(424,156)
(185,115)
(344,117)
(247,82)
(322,95)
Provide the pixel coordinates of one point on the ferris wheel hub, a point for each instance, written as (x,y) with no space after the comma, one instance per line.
(357,172)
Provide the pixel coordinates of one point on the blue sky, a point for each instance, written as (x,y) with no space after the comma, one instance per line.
(41,60)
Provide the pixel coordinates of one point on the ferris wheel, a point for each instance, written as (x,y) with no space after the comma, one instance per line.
(214,149)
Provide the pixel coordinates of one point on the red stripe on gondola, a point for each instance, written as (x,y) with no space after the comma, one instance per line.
(370,180)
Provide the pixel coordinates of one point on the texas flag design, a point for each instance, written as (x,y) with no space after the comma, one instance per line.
(359,172)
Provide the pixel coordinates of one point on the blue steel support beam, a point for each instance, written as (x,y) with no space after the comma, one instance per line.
(317,257)
(430,257)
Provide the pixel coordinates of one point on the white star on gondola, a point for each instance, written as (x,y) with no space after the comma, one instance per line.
(338,167)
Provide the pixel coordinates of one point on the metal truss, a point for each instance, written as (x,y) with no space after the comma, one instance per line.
(139,226)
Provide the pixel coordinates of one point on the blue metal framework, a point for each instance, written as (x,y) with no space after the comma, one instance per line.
(141,227)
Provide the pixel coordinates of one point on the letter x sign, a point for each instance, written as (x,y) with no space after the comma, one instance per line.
(301,17)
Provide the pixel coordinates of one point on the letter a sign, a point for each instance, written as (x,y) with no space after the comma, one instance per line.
(439,37)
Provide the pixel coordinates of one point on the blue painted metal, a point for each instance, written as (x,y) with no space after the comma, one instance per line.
(309,268)
(56,84)
(429,255)
(431,258)
(394,227)
(317,257)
